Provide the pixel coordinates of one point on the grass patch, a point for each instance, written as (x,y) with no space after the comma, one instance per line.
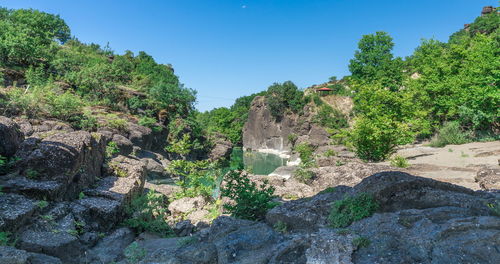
(345,212)
(399,161)
(361,242)
(450,133)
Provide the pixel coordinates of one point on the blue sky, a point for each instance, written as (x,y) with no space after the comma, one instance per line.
(225,49)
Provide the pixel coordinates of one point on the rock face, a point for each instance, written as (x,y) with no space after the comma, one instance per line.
(72,159)
(10,137)
(262,131)
(419,221)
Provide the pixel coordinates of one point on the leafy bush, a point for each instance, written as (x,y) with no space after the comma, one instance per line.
(351,209)
(305,151)
(148,213)
(115,122)
(292,138)
(5,239)
(250,202)
(360,242)
(195,177)
(376,139)
(303,175)
(399,161)
(86,122)
(450,133)
(149,122)
(112,149)
(64,106)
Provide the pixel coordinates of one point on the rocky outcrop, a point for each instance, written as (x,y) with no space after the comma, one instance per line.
(71,159)
(10,137)
(262,131)
(222,148)
(419,221)
(489,178)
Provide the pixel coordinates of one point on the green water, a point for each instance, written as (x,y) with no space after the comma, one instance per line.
(256,162)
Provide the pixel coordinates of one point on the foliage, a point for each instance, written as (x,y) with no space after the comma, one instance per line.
(282,97)
(374,61)
(399,161)
(32,174)
(327,190)
(5,239)
(29,36)
(116,122)
(195,177)
(450,134)
(250,202)
(361,242)
(281,227)
(112,149)
(375,139)
(305,151)
(149,122)
(134,253)
(148,213)
(228,121)
(330,118)
(329,153)
(303,175)
(6,164)
(292,138)
(42,204)
(351,209)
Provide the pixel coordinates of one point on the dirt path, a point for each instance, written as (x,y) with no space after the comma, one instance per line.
(457,164)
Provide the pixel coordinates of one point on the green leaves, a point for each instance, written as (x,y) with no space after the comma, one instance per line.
(250,202)
(283,97)
(351,209)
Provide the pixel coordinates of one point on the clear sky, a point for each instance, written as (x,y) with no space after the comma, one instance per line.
(225,49)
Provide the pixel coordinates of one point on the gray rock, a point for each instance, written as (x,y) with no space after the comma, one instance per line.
(101,212)
(111,248)
(124,144)
(117,188)
(73,159)
(49,190)
(155,169)
(10,137)
(329,247)
(36,258)
(57,244)
(140,136)
(15,211)
(11,255)
(184,228)
(186,205)
(222,149)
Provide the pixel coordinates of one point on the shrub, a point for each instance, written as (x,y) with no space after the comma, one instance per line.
(64,106)
(281,227)
(195,177)
(134,253)
(117,123)
(5,239)
(148,213)
(329,153)
(303,175)
(292,138)
(283,97)
(351,209)
(375,139)
(149,122)
(250,202)
(112,149)
(361,242)
(399,161)
(86,122)
(305,151)
(450,133)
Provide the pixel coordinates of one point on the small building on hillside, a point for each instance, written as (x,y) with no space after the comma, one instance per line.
(324,91)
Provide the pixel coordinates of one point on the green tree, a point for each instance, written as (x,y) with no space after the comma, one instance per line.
(282,97)
(374,61)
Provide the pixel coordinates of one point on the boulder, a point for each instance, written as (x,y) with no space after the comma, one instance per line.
(73,159)
(124,145)
(140,136)
(329,247)
(186,205)
(101,213)
(117,188)
(15,211)
(10,137)
(49,190)
(221,150)
(13,255)
(184,228)
(110,248)
(57,244)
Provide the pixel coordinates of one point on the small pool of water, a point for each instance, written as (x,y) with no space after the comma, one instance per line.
(258,162)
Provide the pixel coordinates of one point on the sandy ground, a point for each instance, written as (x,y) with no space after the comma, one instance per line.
(457,164)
